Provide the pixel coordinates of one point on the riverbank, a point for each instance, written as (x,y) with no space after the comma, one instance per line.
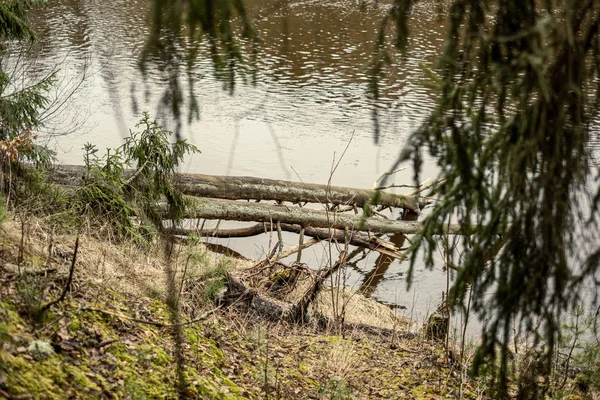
(112,335)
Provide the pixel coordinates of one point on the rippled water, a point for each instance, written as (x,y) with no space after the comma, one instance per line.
(309,103)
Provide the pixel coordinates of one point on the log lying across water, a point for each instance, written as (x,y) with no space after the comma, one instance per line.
(246,188)
(354,238)
(258,212)
(250,188)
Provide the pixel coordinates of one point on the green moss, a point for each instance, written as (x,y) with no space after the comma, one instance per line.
(74,325)
(78,377)
(160,310)
(141,380)
(421,393)
(84,321)
(301,374)
(192,335)
(5,333)
(153,354)
(304,367)
(148,386)
(120,351)
(3,211)
(217,353)
(10,320)
(23,378)
(49,379)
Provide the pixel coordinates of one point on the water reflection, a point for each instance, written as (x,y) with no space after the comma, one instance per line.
(375,276)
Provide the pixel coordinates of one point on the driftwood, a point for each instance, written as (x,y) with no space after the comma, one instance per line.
(354,238)
(266,302)
(227,188)
(257,212)
(300,310)
(263,305)
(240,289)
(294,250)
(268,308)
(250,188)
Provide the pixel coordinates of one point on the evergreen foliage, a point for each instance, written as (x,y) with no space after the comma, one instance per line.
(102,197)
(518,97)
(155,160)
(13,19)
(20,105)
(112,196)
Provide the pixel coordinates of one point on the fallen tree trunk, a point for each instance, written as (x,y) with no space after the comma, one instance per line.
(257,212)
(354,238)
(265,306)
(250,188)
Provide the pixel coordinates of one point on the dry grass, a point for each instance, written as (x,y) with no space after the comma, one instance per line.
(341,360)
(127,268)
(358,309)
(119,265)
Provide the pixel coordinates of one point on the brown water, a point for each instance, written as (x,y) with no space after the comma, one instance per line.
(309,103)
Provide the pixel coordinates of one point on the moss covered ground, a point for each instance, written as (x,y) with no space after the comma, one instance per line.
(112,340)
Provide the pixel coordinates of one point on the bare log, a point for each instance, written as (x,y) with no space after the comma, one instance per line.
(236,187)
(300,310)
(250,188)
(355,238)
(257,212)
(261,303)
(254,230)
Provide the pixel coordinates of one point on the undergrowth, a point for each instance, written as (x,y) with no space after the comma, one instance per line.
(112,200)
(125,195)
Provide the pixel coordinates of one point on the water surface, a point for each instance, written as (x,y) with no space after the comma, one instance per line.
(308,106)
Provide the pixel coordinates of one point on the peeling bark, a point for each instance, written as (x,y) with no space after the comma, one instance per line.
(250,188)
(257,212)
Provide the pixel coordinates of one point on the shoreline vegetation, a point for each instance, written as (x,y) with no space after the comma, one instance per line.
(98,299)
(106,293)
(109,337)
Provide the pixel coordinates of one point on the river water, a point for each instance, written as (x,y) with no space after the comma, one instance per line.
(309,103)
